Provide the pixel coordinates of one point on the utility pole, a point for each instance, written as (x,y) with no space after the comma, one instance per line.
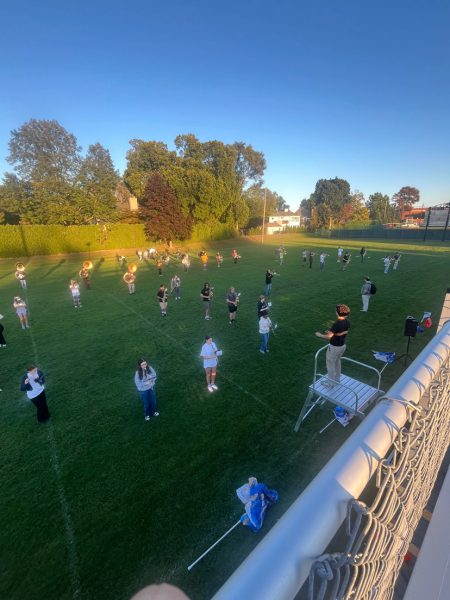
(264,216)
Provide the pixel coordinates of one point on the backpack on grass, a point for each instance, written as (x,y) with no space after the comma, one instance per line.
(373,289)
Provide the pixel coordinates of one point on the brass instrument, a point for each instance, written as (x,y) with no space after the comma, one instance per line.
(20,267)
(87,265)
(132,268)
(129,277)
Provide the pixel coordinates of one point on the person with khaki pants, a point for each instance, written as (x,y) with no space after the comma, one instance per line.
(336,335)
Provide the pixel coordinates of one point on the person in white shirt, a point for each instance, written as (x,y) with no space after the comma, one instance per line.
(20,307)
(365,293)
(209,355)
(75,291)
(265,325)
(387,264)
(322,258)
(175,286)
(340,252)
(33,384)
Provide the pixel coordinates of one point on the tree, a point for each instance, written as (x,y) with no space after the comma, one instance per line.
(328,199)
(254,197)
(97,180)
(41,150)
(405,198)
(143,158)
(14,195)
(161,211)
(380,208)
(354,210)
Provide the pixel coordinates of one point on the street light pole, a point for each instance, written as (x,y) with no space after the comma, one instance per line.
(264,216)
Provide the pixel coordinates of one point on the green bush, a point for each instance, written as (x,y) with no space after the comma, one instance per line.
(29,240)
(202,232)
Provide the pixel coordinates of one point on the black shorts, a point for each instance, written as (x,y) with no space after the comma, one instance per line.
(232,309)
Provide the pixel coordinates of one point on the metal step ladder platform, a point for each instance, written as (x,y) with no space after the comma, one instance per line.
(352,395)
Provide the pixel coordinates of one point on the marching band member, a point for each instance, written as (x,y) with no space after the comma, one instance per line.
(265,325)
(159,266)
(396,259)
(139,254)
(21,278)
(130,279)
(269,277)
(33,384)
(232,302)
(387,264)
(235,256)
(262,306)
(2,337)
(340,252)
(175,285)
(84,274)
(21,310)
(206,295)
(75,291)
(144,380)
(345,260)
(219,259)
(304,257)
(204,259)
(209,354)
(162,296)
(186,262)
(322,258)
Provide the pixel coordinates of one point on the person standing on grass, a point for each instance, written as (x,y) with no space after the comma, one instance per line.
(144,380)
(310,258)
(21,278)
(262,306)
(396,259)
(304,257)
(33,384)
(186,262)
(265,325)
(162,295)
(337,336)
(340,252)
(21,310)
(209,355)
(232,303)
(75,291)
(269,277)
(206,295)
(387,264)
(345,260)
(366,291)
(159,266)
(175,286)
(322,258)
(2,337)
(219,259)
(362,253)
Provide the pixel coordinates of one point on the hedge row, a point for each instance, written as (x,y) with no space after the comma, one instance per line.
(29,240)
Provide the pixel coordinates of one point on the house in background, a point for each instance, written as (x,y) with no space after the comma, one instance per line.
(282,220)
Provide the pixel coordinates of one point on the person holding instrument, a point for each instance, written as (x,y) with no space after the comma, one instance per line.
(337,336)
(209,354)
(206,295)
(33,384)
(162,296)
(144,380)
(232,302)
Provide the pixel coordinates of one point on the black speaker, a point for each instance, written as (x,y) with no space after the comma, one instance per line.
(411,327)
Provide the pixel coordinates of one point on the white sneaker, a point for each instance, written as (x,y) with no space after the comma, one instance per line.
(210,388)
(214,386)
(156,414)
(147,418)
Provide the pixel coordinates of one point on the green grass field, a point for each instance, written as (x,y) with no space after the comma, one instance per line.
(99,503)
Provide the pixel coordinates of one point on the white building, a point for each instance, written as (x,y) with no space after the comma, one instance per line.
(282,220)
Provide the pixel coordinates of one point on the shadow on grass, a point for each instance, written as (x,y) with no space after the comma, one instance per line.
(58,264)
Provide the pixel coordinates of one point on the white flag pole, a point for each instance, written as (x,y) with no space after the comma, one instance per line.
(215,544)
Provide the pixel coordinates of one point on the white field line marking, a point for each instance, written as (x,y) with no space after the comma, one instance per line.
(185,349)
(68,525)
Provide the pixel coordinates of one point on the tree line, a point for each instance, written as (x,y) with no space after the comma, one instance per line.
(52,182)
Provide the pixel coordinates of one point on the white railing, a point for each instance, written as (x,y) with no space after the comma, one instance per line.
(378,535)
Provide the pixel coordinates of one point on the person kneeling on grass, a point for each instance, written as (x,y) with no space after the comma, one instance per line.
(209,354)
(145,379)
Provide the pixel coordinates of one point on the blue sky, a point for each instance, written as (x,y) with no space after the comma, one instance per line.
(351,89)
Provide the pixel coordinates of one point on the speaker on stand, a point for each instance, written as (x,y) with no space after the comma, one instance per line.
(410,331)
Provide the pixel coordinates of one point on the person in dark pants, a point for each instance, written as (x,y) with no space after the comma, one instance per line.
(145,379)
(262,306)
(33,384)
(2,337)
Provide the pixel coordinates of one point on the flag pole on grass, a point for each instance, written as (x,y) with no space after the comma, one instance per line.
(211,547)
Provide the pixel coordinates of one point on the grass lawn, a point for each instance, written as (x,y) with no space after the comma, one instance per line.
(99,502)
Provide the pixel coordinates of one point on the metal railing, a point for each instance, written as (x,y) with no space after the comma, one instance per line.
(411,425)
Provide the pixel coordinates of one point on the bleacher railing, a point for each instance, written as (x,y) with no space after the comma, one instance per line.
(402,442)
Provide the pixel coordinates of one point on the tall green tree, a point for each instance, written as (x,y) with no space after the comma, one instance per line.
(161,211)
(255,196)
(42,150)
(355,210)
(97,180)
(380,208)
(142,159)
(406,197)
(14,196)
(328,200)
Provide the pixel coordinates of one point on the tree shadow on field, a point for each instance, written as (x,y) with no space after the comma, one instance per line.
(98,265)
(7,274)
(61,262)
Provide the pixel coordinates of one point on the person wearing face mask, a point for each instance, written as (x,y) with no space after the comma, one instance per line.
(145,379)
(33,384)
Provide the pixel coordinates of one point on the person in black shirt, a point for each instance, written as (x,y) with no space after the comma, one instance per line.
(345,260)
(206,295)
(337,336)
(263,307)
(162,295)
(269,276)
(232,302)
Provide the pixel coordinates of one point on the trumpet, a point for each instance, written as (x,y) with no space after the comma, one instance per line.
(129,277)
(132,268)
(87,265)
(20,267)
